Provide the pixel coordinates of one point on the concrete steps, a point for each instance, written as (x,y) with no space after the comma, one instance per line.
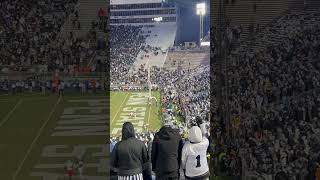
(186,60)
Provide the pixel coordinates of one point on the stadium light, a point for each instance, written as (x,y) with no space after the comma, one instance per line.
(205,43)
(201,11)
(157,19)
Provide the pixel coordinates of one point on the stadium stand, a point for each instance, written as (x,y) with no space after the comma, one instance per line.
(159,38)
(35,43)
(275,111)
(38,21)
(44,63)
(136,47)
(126,42)
(186,59)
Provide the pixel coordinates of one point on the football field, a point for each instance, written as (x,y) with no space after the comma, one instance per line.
(124,103)
(40,133)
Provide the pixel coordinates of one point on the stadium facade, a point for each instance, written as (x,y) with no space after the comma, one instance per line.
(142,12)
(159,20)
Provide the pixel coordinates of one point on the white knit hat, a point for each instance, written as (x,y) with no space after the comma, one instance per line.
(195,134)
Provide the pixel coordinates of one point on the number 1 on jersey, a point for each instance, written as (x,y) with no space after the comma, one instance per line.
(198,161)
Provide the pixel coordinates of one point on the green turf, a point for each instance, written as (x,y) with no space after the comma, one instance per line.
(26,126)
(119,100)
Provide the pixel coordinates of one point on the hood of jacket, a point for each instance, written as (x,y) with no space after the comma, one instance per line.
(195,134)
(166,133)
(127,131)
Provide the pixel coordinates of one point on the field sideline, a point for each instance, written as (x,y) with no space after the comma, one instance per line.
(122,103)
(38,134)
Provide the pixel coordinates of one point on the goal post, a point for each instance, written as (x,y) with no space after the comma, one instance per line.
(150,88)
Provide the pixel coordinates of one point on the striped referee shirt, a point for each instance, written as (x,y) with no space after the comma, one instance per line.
(133,177)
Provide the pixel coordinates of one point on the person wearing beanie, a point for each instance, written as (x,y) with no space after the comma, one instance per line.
(166,152)
(129,157)
(281,176)
(194,153)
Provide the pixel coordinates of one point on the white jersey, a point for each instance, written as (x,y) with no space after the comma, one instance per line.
(194,157)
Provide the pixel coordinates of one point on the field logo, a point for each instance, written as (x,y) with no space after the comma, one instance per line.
(137,104)
(83,121)
(87,121)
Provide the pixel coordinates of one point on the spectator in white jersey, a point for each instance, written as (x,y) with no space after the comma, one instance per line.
(194,153)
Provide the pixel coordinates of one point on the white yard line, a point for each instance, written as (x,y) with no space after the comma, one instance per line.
(35,139)
(119,109)
(5,119)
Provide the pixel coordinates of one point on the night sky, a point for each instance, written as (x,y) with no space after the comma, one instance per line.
(190,22)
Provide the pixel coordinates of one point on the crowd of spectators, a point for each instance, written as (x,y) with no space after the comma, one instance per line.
(29,27)
(274,109)
(38,85)
(125,44)
(31,41)
(195,97)
(191,102)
